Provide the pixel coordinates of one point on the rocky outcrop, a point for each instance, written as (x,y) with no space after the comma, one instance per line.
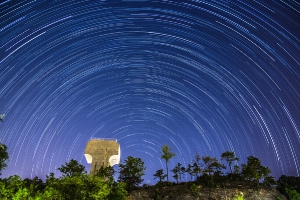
(184,192)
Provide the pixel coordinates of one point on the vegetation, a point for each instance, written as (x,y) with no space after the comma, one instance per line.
(72,168)
(160,175)
(204,171)
(254,171)
(289,186)
(230,157)
(194,190)
(3,157)
(131,172)
(238,197)
(74,184)
(167,154)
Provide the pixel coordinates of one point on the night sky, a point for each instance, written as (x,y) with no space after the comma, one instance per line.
(201,76)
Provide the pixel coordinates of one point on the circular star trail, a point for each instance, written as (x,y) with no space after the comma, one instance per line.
(201,76)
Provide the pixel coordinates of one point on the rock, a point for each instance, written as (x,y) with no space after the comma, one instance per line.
(182,192)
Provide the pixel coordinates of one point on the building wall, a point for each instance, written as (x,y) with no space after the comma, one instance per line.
(100,152)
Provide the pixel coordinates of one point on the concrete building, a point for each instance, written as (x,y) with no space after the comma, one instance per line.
(102,152)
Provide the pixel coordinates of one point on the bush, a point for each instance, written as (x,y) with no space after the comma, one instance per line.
(194,190)
(238,197)
(292,194)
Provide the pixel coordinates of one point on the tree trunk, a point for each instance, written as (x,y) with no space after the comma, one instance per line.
(167,171)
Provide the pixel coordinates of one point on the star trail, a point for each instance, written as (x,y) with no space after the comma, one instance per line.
(201,76)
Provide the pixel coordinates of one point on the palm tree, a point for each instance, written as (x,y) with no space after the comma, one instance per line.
(167,154)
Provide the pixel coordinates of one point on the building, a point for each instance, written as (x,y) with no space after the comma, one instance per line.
(102,152)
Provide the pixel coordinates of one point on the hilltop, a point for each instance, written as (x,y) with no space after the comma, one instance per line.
(188,191)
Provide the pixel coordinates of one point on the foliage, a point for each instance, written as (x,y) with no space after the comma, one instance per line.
(160,175)
(238,197)
(189,170)
(105,172)
(292,194)
(229,157)
(182,172)
(131,172)
(287,184)
(194,190)
(13,187)
(118,191)
(72,168)
(75,183)
(236,175)
(269,181)
(158,193)
(197,159)
(254,171)
(3,157)
(14,183)
(176,170)
(70,186)
(212,165)
(176,177)
(34,186)
(236,170)
(196,170)
(167,154)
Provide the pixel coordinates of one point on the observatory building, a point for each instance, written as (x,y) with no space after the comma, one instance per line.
(102,152)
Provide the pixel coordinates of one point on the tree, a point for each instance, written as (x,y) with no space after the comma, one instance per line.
(69,187)
(3,157)
(182,173)
(254,171)
(105,172)
(292,194)
(229,157)
(72,168)
(82,186)
(131,172)
(160,175)
(197,159)
(4,192)
(167,154)
(269,181)
(176,171)
(236,170)
(14,183)
(34,186)
(211,165)
(176,176)
(117,191)
(288,182)
(196,170)
(189,170)
(49,193)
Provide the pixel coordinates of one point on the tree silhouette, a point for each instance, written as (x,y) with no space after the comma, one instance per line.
(167,154)
(3,157)
(229,157)
(160,175)
(131,172)
(196,170)
(105,172)
(176,171)
(211,165)
(189,170)
(72,168)
(254,171)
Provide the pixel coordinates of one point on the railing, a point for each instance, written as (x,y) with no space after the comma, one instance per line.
(95,138)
